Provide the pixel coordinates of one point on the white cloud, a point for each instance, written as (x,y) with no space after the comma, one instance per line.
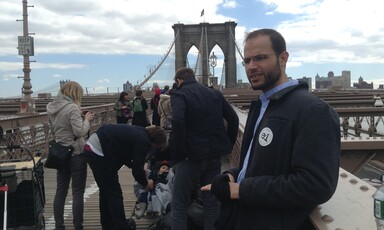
(10,66)
(336,31)
(317,32)
(104,27)
(229,4)
(133,27)
(105,80)
(291,7)
(57,76)
(7,77)
(61,66)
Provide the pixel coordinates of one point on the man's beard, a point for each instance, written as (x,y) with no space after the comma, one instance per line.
(270,79)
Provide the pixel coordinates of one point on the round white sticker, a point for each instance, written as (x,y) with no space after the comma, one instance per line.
(265,137)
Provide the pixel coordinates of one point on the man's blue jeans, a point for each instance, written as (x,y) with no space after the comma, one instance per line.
(189,176)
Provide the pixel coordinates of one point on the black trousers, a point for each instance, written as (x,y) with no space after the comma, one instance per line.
(105,171)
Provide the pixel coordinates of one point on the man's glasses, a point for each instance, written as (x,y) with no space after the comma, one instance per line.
(258,58)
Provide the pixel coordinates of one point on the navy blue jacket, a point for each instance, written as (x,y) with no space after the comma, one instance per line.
(198,129)
(294,163)
(128,145)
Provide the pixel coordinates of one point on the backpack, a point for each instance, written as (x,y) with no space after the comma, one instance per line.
(137,107)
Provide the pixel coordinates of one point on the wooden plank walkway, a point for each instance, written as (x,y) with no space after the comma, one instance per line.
(91,197)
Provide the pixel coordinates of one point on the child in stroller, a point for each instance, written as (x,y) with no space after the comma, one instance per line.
(155,201)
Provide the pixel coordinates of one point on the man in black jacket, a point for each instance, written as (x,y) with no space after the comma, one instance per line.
(198,140)
(290,152)
(106,151)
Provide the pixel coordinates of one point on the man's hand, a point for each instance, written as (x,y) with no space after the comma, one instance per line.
(220,187)
(224,179)
(150,184)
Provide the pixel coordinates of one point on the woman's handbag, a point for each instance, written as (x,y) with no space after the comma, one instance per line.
(58,155)
(128,113)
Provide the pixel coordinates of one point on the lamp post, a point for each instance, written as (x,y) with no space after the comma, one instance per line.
(26,49)
(213,62)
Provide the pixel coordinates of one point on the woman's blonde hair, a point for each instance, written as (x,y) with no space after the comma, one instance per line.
(73,90)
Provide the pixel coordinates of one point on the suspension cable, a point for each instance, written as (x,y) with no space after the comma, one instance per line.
(237,47)
(159,65)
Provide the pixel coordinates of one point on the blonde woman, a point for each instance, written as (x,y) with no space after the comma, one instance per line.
(69,128)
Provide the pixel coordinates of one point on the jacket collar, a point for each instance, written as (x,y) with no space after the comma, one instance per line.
(281,93)
(187,82)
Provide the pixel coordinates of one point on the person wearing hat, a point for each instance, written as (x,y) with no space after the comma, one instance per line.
(155,200)
(162,173)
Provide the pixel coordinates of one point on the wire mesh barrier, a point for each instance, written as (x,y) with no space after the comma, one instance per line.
(23,203)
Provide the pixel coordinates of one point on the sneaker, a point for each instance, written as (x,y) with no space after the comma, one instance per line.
(153,214)
(140,209)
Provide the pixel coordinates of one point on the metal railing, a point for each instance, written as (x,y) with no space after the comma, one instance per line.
(33,130)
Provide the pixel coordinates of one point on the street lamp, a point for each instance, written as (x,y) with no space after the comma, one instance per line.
(213,62)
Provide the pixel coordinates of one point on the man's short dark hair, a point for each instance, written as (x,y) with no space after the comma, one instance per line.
(184,73)
(277,40)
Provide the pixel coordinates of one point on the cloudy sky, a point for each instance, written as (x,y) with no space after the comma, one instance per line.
(102,44)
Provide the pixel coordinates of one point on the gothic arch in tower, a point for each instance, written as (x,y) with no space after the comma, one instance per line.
(205,36)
